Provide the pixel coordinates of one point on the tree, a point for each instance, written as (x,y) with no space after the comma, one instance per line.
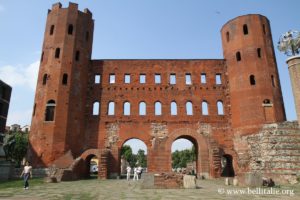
(133,159)
(141,158)
(181,158)
(15,146)
(126,152)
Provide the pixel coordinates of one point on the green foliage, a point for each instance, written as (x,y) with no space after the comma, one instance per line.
(181,158)
(133,159)
(15,146)
(19,183)
(141,158)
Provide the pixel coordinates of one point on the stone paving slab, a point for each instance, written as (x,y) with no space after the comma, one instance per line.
(122,189)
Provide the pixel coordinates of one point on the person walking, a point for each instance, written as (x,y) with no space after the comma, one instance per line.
(26,173)
(128,169)
(135,174)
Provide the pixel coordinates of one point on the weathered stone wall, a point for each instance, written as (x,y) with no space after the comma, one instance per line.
(275,151)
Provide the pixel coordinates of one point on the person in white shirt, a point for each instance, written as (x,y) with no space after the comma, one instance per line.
(135,175)
(128,172)
(26,173)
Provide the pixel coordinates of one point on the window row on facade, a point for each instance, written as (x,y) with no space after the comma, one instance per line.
(64,80)
(58,52)
(238,55)
(245,31)
(70,31)
(158,80)
(50,108)
(157,108)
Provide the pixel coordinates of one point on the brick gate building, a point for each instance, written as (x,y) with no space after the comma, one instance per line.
(92,107)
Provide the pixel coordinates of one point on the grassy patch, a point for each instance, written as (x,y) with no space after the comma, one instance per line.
(19,183)
(84,196)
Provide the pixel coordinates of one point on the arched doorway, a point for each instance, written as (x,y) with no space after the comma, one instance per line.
(133,154)
(227,166)
(92,165)
(184,152)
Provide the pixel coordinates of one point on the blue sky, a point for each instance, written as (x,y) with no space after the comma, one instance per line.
(133,29)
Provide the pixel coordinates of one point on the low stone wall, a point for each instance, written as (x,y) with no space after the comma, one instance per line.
(6,170)
(168,181)
(36,173)
(274,152)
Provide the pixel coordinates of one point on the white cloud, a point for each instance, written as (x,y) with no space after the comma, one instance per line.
(20,75)
(19,117)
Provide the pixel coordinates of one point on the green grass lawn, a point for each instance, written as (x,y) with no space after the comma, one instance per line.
(19,183)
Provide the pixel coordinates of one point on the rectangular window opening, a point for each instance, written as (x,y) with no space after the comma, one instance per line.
(112,78)
(127,78)
(142,78)
(203,78)
(97,78)
(157,79)
(173,79)
(218,79)
(188,79)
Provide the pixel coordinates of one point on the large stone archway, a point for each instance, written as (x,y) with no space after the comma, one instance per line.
(201,145)
(122,143)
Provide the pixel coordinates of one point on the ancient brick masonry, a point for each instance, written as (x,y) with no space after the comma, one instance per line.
(92,107)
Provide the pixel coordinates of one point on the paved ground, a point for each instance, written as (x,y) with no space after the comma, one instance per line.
(121,189)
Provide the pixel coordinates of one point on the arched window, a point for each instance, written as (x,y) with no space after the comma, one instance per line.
(96,108)
(204,108)
(252,80)
(111,108)
(34,107)
(126,108)
(259,52)
(245,29)
(157,106)
(220,108)
(267,101)
(45,77)
(51,29)
(273,80)
(238,56)
(227,36)
(264,29)
(65,79)
(173,108)
(57,52)
(189,108)
(87,35)
(50,110)
(70,29)
(77,56)
(142,108)
(42,57)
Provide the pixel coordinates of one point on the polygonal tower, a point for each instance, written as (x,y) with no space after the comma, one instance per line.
(58,120)
(255,91)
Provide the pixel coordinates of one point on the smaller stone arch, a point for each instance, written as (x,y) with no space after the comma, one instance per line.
(202,149)
(86,156)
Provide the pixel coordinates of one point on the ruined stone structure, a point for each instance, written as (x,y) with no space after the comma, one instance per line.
(92,107)
(294,70)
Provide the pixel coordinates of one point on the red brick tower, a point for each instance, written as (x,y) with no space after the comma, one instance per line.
(59,109)
(254,84)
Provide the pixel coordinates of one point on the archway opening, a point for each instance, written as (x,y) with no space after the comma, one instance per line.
(227,166)
(185,155)
(134,155)
(92,164)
